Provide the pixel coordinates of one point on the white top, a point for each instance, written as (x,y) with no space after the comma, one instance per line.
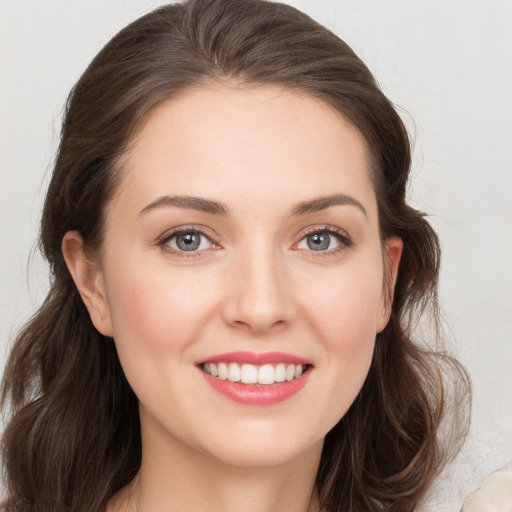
(454,487)
(495,494)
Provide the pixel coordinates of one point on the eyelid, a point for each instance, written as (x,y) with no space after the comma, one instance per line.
(163,240)
(342,236)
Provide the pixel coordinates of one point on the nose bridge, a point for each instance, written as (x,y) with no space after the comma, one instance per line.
(259,297)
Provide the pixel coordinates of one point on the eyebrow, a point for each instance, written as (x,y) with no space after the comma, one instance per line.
(321,203)
(216,208)
(190,202)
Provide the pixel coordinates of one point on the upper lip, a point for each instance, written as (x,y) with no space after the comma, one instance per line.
(255,358)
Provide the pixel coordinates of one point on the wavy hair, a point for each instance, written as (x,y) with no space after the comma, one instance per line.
(73,435)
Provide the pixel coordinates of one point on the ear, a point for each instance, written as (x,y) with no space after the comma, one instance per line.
(88,278)
(392,254)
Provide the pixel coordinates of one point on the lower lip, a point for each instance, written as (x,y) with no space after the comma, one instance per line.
(249,394)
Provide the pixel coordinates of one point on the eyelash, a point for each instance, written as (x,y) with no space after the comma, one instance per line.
(167,237)
(340,235)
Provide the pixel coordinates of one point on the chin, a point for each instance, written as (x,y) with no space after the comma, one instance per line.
(263,448)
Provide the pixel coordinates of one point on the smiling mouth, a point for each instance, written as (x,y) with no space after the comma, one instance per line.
(266,374)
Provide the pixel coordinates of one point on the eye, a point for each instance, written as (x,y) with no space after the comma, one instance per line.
(323,240)
(189,240)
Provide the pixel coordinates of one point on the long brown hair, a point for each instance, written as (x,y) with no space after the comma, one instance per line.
(73,436)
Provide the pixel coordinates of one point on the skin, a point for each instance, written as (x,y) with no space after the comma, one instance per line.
(254,284)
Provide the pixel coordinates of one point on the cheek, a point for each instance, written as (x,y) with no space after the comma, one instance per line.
(154,309)
(342,317)
(345,305)
(157,317)
(347,328)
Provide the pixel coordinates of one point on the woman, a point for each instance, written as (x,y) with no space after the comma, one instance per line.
(236,277)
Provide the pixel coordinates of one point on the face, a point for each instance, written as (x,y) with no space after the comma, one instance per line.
(243,243)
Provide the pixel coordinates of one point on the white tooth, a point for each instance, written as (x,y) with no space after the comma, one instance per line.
(233,372)
(223,371)
(266,374)
(280,373)
(213,369)
(290,372)
(206,367)
(249,374)
(298,370)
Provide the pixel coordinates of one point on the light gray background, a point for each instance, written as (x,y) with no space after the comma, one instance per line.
(446,63)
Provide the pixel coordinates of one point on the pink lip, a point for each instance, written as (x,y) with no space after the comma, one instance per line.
(257,359)
(257,395)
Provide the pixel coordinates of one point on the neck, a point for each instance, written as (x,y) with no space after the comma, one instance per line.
(173,477)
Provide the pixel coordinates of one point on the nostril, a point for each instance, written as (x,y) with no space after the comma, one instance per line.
(259,326)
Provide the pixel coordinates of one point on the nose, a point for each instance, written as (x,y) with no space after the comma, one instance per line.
(258,293)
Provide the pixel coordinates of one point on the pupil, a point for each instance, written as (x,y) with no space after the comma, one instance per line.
(318,241)
(188,241)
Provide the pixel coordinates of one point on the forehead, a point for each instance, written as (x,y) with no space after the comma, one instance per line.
(229,143)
